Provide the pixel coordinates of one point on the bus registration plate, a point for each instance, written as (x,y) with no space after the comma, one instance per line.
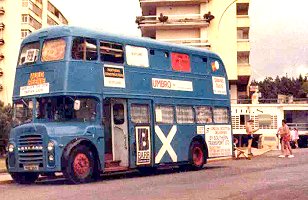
(31,167)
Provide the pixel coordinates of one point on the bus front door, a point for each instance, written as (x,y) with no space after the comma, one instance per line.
(119,131)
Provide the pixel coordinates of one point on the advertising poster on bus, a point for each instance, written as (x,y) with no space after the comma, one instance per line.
(219,140)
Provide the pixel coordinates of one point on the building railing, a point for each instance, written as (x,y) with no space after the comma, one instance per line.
(184,18)
(159,2)
(301,127)
(196,42)
(272,101)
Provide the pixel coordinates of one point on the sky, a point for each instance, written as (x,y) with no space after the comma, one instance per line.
(278,32)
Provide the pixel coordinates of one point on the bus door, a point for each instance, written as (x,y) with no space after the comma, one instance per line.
(119,131)
(140,132)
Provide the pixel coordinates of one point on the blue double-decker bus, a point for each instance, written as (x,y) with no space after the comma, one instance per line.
(87,102)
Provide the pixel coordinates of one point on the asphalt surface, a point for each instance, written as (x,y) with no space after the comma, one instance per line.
(263,177)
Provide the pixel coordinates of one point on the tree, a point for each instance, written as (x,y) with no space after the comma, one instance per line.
(270,88)
(6,116)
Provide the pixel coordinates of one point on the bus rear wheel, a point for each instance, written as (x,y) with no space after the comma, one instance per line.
(81,167)
(24,177)
(197,155)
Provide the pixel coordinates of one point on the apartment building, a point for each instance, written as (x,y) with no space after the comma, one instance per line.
(221,26)
(18,18)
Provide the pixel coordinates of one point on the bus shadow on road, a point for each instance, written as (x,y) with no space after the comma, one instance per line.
(60,180)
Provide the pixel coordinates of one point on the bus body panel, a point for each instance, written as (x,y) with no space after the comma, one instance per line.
(148,140)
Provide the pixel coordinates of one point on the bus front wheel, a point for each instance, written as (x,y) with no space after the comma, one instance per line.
(197,155)
(80,166)
(25,177)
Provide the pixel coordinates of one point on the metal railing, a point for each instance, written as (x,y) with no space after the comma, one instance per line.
(272,101)
(196,42)
(184,18)
(299,126)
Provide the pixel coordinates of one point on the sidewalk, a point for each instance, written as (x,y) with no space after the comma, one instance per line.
(255,151)
(5,178)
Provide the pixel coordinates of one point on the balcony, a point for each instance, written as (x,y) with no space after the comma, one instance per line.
(2,11)
(1,56)
(2,26)
(172,21)
(156,3)
(1,41)
(243,21)
(243,45)
(244,69)
(195,42)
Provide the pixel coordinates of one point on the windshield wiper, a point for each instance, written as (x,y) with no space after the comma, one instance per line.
(24,102)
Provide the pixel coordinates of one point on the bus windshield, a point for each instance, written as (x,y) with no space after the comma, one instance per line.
(63,108)
(23,111)
(53,50)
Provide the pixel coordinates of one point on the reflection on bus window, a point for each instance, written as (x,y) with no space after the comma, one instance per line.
(118,114)
(140,113)
(29,53)
(22,111)
(62,109)
(221,115)
(53,50)
(84,49)
(203,114)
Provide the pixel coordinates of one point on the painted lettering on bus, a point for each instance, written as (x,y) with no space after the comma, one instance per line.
(161,83)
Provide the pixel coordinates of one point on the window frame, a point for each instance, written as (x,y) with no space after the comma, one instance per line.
(112,43)
(84,57)
(177,114)
(228,115)
(173,114)
(196,116)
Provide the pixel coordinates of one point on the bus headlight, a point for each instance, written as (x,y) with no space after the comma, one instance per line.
(51,158)
(50,146)
(11,148)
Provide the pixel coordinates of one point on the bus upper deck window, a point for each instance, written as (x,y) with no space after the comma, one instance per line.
(53,50)
(111,52)
(29,53)
(84,49)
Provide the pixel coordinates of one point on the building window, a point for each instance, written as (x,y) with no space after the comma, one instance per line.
(242,8)
(35,9)
(244,119)
(25,33)
(25,3)
(243,57)
(51,22)
(34,23)
(184,115)
(243,33)
(24,18)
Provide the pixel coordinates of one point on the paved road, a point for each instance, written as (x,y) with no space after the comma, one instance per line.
(264,177)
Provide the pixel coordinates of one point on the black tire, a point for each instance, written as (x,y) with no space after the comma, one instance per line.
(197,155)
(81,166)
(24,177)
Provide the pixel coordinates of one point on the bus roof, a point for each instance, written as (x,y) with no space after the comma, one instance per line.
(63,31)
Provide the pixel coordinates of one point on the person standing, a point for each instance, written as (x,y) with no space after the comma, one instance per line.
(249,132)
(286,137)
(295,137)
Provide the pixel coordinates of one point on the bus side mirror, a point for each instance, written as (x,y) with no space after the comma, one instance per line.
(76,104)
